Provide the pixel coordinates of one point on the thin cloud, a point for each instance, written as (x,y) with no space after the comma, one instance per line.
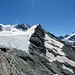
(63,25)
(33,4)
(67,23)
(32,10)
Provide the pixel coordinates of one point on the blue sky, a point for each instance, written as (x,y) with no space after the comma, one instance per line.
(56,16)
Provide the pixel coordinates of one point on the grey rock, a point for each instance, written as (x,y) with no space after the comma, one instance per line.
(22,27)
(36,62)
(1,28)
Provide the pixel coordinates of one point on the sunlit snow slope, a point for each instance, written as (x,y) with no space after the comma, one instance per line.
(14,38)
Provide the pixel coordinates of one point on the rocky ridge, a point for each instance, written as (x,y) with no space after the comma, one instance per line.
(46,56)
(68,39)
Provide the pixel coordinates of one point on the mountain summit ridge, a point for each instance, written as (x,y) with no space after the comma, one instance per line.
(16,27)
(68,39)
(35,52)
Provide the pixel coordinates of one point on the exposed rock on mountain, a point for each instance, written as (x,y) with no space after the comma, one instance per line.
(23,27)
(37,41)
(14,28)
(43,55)
(68,39)
(0,28)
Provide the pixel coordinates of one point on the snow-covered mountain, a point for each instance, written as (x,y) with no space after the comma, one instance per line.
(68,39)
(14,28)
(34,52)
(10,36)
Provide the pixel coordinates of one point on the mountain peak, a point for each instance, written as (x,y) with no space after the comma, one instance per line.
(22,27)
(68,39)
(16,27)
(34,52)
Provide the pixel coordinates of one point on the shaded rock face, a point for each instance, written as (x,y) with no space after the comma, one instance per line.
(22,27)
(1,28)
(47,56)
(37,41)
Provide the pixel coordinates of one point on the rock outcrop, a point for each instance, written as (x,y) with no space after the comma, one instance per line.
(22,27)
(0,28)
(46,56)
(68,39)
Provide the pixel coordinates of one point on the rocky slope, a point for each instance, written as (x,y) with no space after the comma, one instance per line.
(45,55)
